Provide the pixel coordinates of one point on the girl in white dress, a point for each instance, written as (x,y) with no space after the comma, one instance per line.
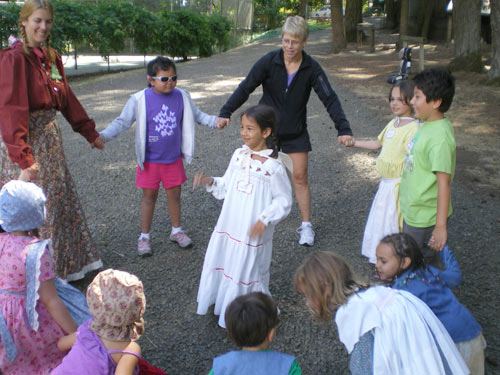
(385,217)
(257,195)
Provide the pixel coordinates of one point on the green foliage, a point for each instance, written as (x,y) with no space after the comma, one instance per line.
(71,24)
(145,27)
(112,22)
(179,33)
(9,15)
(108,24)
(220,28)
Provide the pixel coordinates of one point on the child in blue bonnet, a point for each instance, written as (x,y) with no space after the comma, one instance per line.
(400,259)
(251,321)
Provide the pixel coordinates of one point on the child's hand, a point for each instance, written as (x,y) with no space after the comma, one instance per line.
(201,179)
(98,143)
(347,140)
(222,123)
(438,238)
(257,229)
(30,173)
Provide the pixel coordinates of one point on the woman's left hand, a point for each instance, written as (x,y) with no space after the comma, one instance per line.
(257,229)
(346,140)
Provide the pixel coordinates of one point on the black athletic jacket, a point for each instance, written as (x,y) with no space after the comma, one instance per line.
(290,104)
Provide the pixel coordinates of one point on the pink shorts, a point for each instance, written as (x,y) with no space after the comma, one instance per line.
(170,175)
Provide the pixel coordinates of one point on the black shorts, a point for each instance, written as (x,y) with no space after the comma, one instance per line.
(301,143)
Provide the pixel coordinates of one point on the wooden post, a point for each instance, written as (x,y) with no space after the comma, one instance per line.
(359,35)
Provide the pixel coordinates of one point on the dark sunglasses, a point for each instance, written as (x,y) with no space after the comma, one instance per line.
(166,78)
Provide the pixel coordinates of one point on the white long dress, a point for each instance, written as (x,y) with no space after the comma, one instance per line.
(236,264)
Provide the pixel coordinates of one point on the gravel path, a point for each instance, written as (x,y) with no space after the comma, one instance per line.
(342,182)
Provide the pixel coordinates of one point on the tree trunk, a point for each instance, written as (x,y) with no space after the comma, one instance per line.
(303,5)
(467,33)
(353,16)
(392,11)
(403,21)
(495,39)
(338,39)
(426,21)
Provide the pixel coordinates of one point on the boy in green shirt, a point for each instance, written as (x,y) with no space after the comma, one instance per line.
(425,191)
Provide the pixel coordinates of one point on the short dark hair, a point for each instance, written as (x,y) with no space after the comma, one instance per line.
(250,318)
(160,63)
(405,88)
(265,117)
(437,83)
(404,245)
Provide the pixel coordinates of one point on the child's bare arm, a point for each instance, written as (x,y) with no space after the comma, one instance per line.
(369,144)
(65,343)
(440,235)
(56,308)
(127,363)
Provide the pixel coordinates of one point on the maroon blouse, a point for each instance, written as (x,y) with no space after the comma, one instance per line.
(25,85)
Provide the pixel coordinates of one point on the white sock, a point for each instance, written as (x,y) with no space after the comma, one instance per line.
(306,224)
(176,230)
(144,236)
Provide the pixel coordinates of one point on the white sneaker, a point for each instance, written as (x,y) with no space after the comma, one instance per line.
(306,236)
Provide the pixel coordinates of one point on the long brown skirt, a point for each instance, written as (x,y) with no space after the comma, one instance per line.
(74,251)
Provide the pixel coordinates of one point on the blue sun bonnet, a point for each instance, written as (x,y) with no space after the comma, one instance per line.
(22,206)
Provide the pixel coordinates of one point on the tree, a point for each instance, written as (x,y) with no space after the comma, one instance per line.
(467,34)
(392,13)
(495,39)
(9,15)
(338,39)
(353,16)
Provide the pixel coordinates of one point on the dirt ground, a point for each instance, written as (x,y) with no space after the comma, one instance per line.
(475,112)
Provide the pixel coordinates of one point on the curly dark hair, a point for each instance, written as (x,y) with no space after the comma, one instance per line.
(404,245)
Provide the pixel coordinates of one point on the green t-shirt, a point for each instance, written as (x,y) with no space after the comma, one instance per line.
(433,150)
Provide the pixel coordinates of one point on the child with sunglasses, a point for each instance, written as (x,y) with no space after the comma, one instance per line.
(165,117)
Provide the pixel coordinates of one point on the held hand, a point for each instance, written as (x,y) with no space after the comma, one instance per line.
(257,229)
(201,179)
(222,123)
(30,173)
(98,143)
(438,238)
(346,140)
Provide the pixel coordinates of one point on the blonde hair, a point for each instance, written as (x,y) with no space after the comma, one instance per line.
(26,11)
(327,279)
(296,26)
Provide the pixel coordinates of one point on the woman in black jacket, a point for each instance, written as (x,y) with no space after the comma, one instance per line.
(287,76)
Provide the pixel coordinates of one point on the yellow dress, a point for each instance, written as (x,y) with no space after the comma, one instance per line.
(385,217)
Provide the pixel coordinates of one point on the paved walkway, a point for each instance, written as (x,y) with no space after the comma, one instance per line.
(92,64)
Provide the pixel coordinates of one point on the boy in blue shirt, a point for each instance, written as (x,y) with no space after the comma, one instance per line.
(425,191)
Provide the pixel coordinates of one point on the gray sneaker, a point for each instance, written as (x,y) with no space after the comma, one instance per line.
(306,236)
(181,238)
(144,247)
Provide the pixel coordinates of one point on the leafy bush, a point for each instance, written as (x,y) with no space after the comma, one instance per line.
(179,33)
(107,24)
(220,29)
(9,15)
